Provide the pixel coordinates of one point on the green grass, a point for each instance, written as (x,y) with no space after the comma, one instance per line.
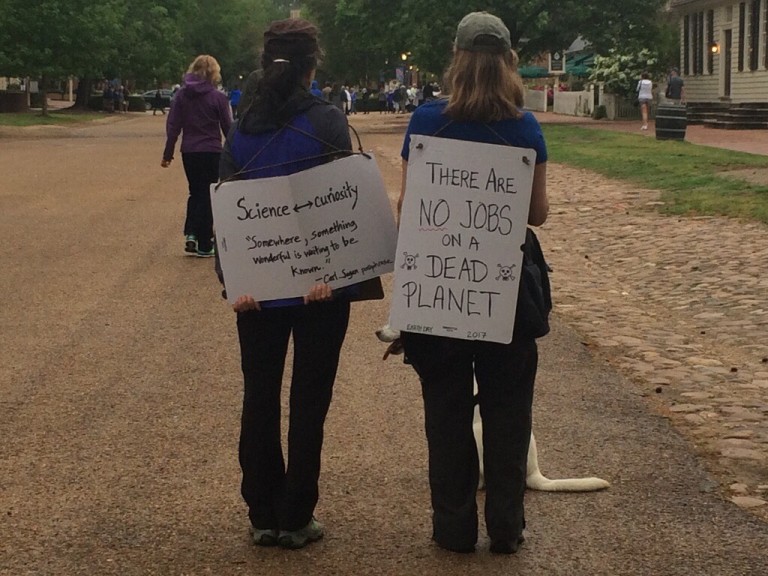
(690,177)
(37,119)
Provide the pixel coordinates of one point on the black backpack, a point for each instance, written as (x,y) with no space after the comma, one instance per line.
(534,298)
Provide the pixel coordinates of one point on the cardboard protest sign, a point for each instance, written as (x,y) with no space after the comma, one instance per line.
(277,237)
(463,222)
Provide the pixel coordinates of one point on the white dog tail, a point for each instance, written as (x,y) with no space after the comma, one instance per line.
(535,480)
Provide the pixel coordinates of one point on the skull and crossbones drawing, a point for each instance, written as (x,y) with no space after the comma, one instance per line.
(505,273)
(409,263)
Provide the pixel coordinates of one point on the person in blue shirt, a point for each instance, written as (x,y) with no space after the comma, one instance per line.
(315,89)
(285,129)
(234,101)
(484,104)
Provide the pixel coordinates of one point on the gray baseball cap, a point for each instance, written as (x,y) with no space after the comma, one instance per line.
(482,32)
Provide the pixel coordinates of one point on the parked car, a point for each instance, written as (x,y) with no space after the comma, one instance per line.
(166,94)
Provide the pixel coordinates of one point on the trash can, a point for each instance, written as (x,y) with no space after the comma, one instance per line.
(671,121)
(13,101)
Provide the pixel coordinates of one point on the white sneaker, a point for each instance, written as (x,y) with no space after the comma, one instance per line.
(644,127)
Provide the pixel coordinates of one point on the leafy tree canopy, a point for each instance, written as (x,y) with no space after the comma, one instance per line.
(53,38)
(140,41)
(371,33)
(151,41)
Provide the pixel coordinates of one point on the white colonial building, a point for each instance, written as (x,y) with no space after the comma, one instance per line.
(724,59)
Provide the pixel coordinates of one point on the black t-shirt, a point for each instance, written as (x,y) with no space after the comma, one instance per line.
(675,88)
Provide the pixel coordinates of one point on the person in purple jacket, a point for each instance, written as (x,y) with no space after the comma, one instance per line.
(201,114)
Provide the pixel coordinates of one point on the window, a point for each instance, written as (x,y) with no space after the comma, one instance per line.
(695,42)
(754,34)
(700,45)
(742,34)
(765,36)
(710,41)
(686,44)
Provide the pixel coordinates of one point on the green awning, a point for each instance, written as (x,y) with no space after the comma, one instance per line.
(580,65)
(533,71)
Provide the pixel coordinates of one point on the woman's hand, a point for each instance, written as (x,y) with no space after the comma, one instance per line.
(319,293)
(165,163)
(245,303)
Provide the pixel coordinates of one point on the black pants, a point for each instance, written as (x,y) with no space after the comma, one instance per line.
(281,497)
(202,170)
(505,376)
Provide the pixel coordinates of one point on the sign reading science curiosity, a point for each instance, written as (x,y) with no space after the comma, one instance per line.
(278,237)
(463,222)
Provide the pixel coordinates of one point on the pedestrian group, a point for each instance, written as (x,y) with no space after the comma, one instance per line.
(287,123)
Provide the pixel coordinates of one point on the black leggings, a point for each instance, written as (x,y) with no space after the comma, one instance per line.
(505,375)
(202,170)
(281,497)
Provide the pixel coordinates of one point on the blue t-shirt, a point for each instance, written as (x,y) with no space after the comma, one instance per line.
(429,120)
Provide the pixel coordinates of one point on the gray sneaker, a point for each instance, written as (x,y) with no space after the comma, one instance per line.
(296,539)
(264,537)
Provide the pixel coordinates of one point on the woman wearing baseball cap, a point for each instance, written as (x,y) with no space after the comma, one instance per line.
(483,104)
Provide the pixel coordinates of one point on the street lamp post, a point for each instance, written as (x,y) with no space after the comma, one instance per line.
(406,69)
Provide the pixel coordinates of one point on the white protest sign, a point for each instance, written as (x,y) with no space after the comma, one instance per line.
(463,221)
(279,236)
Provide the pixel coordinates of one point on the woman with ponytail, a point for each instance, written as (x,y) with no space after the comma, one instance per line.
(283,129)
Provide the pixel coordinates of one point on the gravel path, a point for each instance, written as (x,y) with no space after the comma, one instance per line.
(120,390)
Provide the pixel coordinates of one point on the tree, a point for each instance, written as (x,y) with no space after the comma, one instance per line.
(620,72)
(229,30)
(359,37)
(146,41)
(151,42)
(51,39)
(426,28)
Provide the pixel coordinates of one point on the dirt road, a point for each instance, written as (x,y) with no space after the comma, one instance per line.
(120,392)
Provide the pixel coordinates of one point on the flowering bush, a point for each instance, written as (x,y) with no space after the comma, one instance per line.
(620,73)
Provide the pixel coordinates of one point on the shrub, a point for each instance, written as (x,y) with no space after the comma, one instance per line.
(35,100)
(620,73)
(600,112)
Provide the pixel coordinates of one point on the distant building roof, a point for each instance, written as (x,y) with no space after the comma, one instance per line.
(672,4)
(577,45)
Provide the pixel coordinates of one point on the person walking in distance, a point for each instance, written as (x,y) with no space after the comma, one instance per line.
(157,102)
(234,101)
(645,97)
(675,87)
(484,103)
(201,114)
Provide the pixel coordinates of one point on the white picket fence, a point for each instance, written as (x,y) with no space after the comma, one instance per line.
(568,103)
(536,100)
(574,103)
(583,104)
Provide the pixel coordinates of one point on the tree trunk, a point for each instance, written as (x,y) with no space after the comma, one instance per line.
(84,88)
